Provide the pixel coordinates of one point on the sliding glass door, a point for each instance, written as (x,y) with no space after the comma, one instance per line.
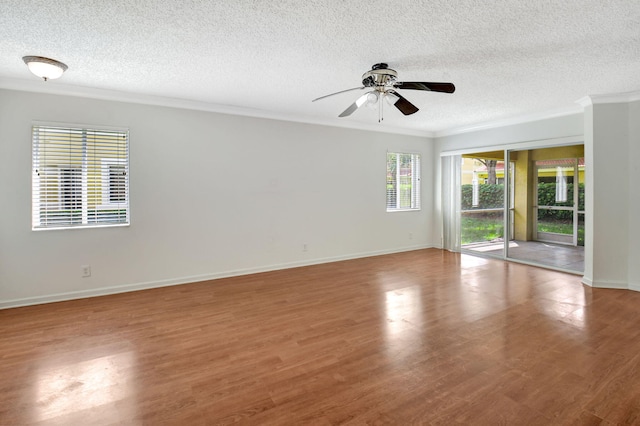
(526,205)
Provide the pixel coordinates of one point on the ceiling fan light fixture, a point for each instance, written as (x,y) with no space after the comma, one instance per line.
(372,98)
(391,98)
(45,68)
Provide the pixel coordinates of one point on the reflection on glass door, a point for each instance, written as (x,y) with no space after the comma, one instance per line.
(482,204)
(580,227)
(557,201)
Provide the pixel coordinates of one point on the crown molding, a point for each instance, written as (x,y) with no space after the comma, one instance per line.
(119,96)
(518,119)
(584,102)
(613,98)
(136,98)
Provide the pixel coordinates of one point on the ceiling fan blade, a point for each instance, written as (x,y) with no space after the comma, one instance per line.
(337,93)
(405,107)
(425,85)
(357,104)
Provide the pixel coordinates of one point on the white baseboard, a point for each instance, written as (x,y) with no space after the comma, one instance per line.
(613,284)
(437,245)
(82,294)
(634,286)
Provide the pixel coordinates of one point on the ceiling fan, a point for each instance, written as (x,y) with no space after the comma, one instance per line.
(382,80)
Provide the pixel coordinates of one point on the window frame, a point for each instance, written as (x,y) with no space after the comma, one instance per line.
(416,178)
(92,201)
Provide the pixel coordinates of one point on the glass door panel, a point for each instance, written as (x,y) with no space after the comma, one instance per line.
(556,205)
(580,224)
(581,229)
(547,201)
(482,205)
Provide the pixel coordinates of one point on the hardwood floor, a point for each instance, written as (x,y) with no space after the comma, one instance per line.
(424,337)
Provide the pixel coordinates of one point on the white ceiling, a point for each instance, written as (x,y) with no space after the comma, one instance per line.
(271,58)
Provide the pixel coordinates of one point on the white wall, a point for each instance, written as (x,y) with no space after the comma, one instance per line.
(607,211)
(588,199)
(211,195)
(551,128)
(634,196)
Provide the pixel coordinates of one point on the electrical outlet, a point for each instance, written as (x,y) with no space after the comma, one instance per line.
(411,235)
(305,247)
(86,271)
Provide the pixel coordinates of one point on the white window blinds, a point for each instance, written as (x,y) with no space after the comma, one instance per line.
(403,181)
(80,177)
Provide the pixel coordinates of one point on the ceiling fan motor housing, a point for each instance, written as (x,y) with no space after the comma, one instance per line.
(379,76)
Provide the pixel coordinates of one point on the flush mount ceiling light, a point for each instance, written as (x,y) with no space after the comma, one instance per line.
(45,68)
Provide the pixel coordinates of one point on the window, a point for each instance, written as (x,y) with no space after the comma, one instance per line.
(403,181)
(113,181)
(80,177)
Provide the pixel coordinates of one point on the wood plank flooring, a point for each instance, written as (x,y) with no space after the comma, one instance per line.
(423,337)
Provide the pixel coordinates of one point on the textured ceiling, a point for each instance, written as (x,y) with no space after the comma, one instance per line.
(506,58)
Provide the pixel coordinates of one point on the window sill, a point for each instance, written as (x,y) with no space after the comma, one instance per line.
(403,210)
(84,226)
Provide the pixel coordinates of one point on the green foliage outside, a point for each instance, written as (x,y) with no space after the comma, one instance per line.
(562,227)
(547,197)
(489,197)
(479,227)
(488,226)
(492,197)
(483,227)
